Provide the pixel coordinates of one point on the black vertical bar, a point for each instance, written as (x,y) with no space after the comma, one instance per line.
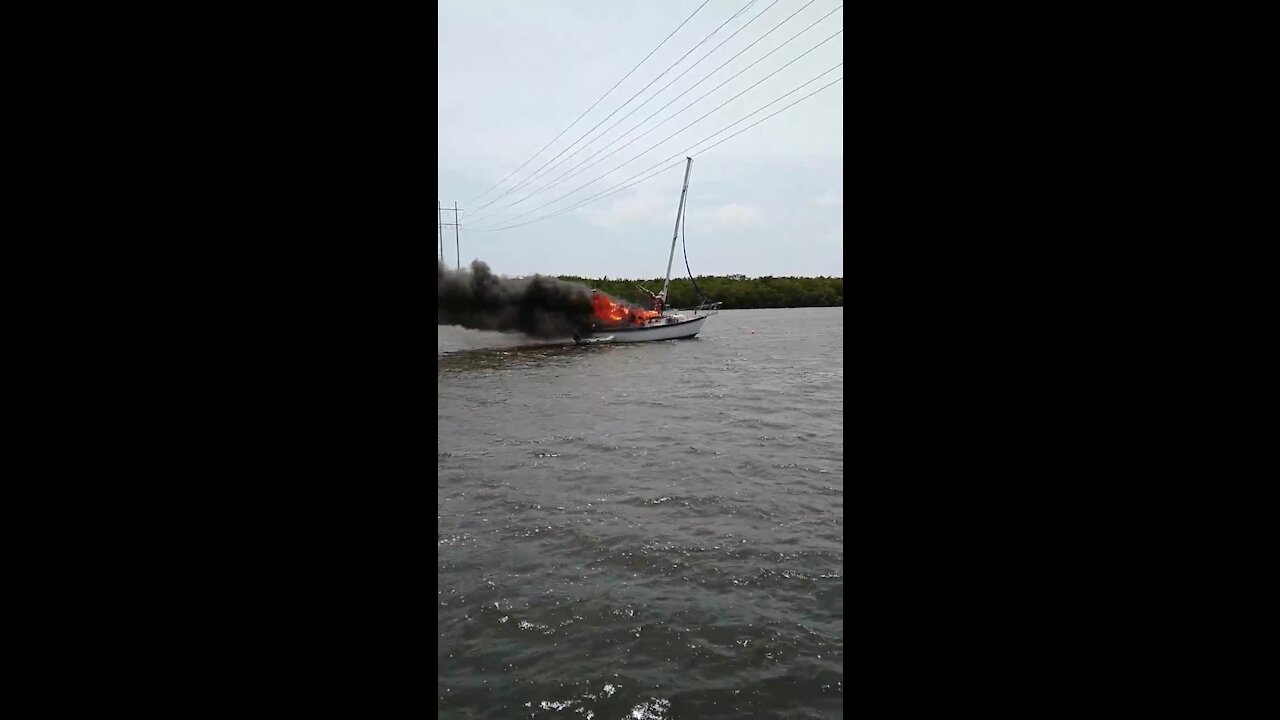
(456,241)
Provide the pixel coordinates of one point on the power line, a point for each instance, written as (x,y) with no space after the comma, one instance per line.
(678,164)
(624,104)
(695,102)
(624,185)
(766,117)
(594,104)
(575,169)
(673,81)
(611,191)
(606,117)
(672,135)
(688,69)
(601,195)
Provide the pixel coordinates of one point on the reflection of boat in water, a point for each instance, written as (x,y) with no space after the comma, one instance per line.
(656,324)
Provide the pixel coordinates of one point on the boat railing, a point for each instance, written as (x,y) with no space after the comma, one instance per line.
(707,308)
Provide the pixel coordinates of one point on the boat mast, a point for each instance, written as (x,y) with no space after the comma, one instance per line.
(676,234)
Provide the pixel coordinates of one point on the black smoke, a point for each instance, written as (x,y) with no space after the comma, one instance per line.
(538,306)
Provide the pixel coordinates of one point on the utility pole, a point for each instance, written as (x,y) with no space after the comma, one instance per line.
(457,242)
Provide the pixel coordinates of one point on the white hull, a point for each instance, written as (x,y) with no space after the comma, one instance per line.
(674,331)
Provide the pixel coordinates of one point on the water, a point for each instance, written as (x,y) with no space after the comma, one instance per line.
(647,530)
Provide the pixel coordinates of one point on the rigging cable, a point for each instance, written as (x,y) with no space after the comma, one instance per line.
(684,243)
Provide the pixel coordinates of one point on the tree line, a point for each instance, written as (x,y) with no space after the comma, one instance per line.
(735,291)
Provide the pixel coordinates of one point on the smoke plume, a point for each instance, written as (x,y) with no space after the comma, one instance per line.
(538,306)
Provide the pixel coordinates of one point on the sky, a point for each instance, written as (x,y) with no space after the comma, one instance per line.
(514,74)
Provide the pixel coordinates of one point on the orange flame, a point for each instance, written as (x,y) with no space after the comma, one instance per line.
(612,312)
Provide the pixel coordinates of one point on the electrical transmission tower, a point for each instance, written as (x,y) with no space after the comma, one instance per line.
(457,243)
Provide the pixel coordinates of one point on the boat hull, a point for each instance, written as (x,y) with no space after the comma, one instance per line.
(674,331)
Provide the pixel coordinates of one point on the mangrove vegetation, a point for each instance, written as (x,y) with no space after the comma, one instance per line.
(735,291)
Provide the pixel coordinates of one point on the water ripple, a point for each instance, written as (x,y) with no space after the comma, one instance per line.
(643,531)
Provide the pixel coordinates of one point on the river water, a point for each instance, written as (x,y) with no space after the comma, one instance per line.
(643,530)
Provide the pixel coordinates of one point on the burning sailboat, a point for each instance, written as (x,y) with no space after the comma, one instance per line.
(621,322)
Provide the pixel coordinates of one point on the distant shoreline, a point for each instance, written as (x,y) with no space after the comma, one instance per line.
(735,292)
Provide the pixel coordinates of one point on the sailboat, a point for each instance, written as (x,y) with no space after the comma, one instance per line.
(659,323)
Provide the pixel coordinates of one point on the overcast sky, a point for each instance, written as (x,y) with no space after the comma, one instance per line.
(515,73)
